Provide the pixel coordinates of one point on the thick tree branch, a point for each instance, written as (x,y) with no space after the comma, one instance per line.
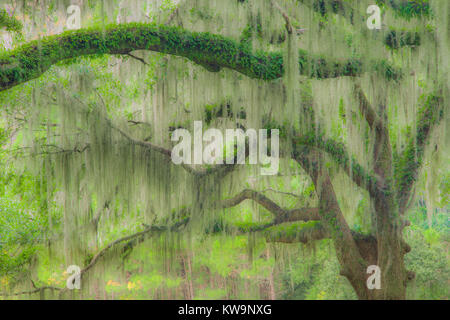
(352,262)
(408,164)
(339,154)
(137,58)
(211,51)
(36,290)
(281,215)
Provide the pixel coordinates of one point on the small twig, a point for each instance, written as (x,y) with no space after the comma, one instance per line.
(137,58)
(281,192)
(135,123)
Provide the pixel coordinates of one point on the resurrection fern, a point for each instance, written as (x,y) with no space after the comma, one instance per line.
(8,22)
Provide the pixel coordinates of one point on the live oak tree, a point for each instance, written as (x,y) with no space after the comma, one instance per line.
(297,62)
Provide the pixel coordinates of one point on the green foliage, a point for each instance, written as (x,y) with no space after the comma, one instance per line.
(406,165)
(23,219)
(10,23)
(314,275)
(211,51)
(408,8)
(429,261)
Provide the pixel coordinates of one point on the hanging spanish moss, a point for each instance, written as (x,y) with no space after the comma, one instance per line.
(90,115)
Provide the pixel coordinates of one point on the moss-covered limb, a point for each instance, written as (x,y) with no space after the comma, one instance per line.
(281,215)
(305,232)
(408,164)
(211,51)
(8,22)
(353,265)
(299,214)
(286,18)
(382,153)
(321,67)
(408,8)
(340,155)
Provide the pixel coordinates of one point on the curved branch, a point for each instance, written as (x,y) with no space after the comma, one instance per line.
(339,154)
(213,52)
(347,251)
(148,229)
(219,169)
(281,215)
(313,231)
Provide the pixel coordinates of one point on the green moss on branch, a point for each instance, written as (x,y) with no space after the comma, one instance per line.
(339,154)
(211,51)
(297,232)
(408,164)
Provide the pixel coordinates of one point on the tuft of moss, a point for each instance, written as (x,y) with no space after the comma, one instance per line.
(10,23)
